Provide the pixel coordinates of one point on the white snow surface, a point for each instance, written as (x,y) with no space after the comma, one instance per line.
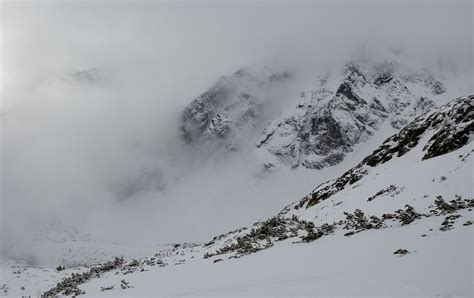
(438,263)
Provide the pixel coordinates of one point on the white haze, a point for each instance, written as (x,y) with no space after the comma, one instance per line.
(69,150)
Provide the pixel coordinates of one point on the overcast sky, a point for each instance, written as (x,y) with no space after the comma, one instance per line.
(64,144)
(175,42)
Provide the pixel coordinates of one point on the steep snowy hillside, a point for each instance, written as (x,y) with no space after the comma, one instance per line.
(337,111)
(344,111)
(405,212)
(412,175)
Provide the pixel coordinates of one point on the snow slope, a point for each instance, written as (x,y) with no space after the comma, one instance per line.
(398,223)
(439,264)
(322,118)
(333,266)
(326,129)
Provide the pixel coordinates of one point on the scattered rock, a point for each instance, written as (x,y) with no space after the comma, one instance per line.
(453,205)
(408,215)
(69,285)
(392,188)
(106,288)
(358,222)
(315,233)
(125,284)
(263,235)
(454,126)
(4,289)
(401,252)
(448,222)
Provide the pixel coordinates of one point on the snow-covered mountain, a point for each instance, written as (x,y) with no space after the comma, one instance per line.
(424,170)
(316,129)
(376,229)
(333,117)
(233,107)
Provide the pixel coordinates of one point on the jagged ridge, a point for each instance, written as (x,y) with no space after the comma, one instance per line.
(451,126)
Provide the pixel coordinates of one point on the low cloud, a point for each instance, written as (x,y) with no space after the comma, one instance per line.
(92,94)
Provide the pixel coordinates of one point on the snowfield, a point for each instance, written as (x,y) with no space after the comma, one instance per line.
(237,148)
(398,223)
(438,264)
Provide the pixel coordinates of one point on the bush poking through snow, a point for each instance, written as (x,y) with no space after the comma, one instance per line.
(315,233)
(263,235)
(453,205)
(358,222)
(408,215)
(125,284)
(389,190)
(102,289)
(69,285)
(448,222)
(401,252)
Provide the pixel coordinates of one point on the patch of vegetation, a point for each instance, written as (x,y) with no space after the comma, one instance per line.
(262,236)
(321,194)
(106,288)
(69,285)
(407,216)
(454,205)
(4,289)
(125,284)
(315,233)
(448,222)
(392,188)
(358,222)
(452,125)
(452,137)
(401,252)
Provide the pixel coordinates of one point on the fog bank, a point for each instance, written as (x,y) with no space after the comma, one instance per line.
(104,155)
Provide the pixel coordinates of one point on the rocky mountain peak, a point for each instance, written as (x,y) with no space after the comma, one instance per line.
(448,127)
(341,109)
(337,119)
(232,106)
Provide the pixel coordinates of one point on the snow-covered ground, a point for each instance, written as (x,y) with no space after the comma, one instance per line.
(437,264)
(249,148)
(414,236)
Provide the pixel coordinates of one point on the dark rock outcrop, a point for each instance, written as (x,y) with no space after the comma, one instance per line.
(453,121)
(230,107)
(320,133)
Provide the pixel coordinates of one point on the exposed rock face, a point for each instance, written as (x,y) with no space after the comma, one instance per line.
(328,120)
(451,126)
(229,108)
(454,126)
(327,126)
